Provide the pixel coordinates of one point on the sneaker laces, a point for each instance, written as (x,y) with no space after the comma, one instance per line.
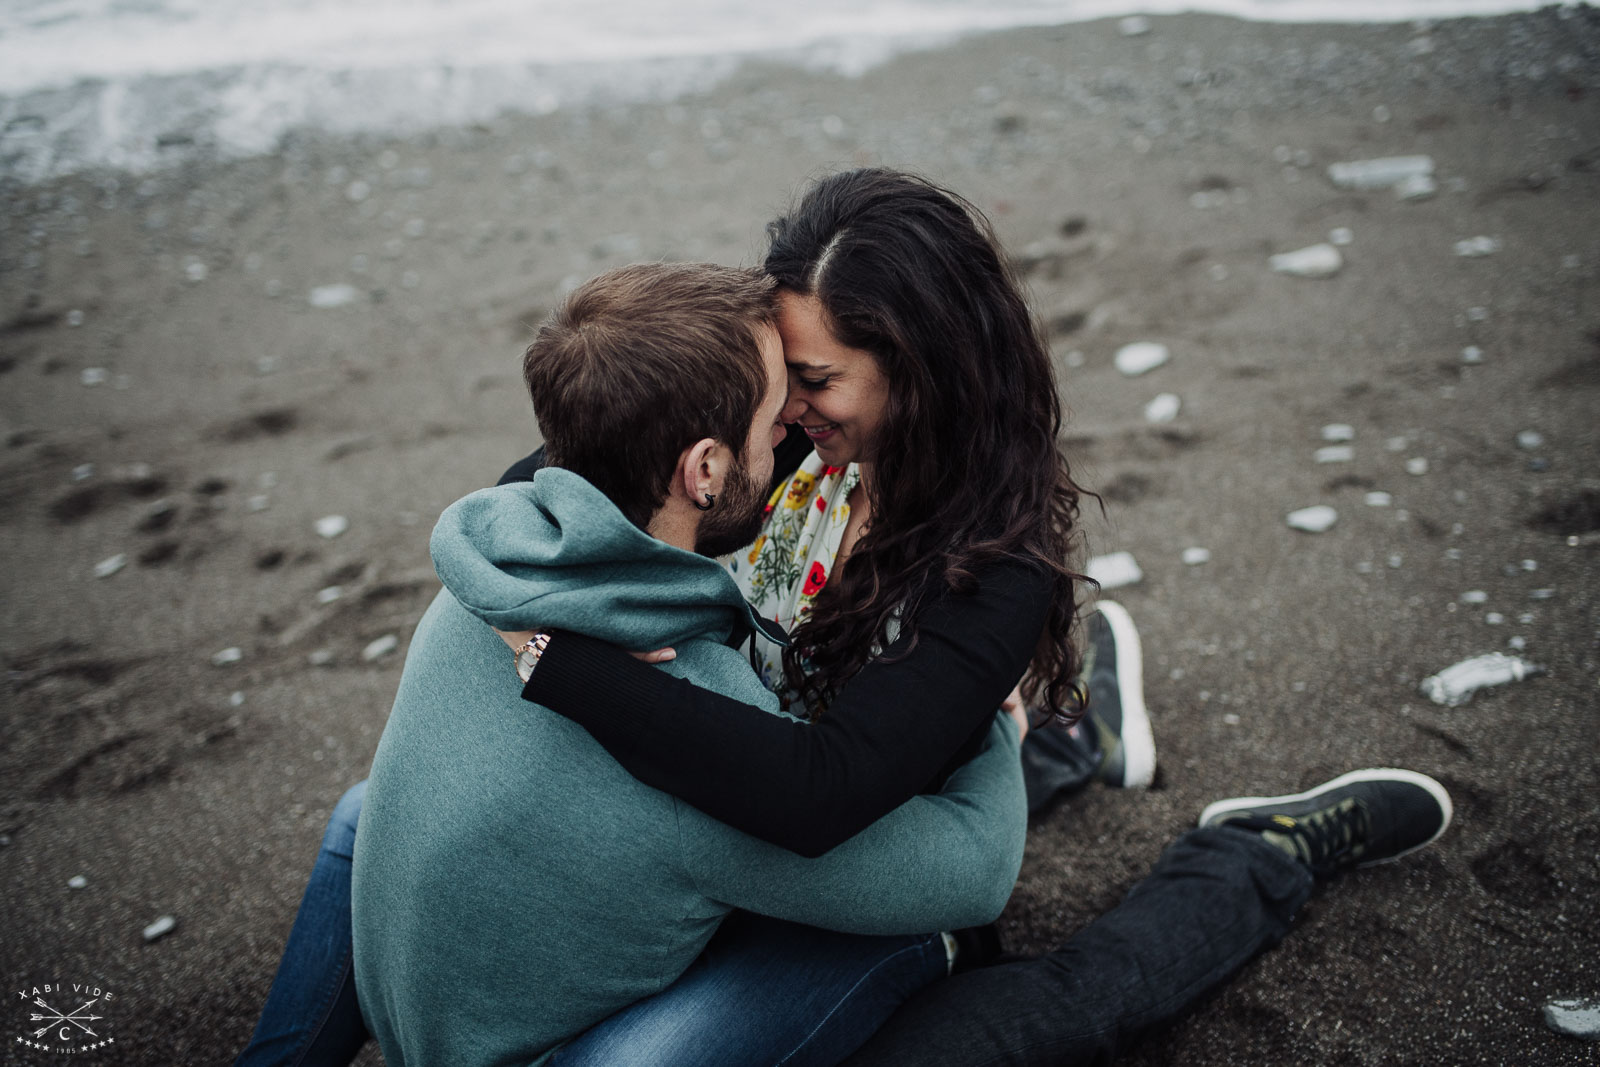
(1327,839)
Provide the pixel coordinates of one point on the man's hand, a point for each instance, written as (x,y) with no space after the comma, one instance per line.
(519,638)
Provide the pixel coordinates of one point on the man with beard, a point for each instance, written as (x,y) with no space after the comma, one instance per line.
(513,885)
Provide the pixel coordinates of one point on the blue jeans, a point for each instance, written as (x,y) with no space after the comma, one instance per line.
(1213,900)
(763,991)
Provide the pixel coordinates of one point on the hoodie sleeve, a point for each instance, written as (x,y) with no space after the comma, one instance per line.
(934,863)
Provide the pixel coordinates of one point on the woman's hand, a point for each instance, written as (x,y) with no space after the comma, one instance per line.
(1013,706)
(517,639)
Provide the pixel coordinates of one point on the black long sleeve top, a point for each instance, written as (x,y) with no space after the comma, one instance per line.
(899,727)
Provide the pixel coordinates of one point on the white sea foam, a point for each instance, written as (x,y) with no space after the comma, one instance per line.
(110,82)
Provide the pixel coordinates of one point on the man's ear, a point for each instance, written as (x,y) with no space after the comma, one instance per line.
(700,471)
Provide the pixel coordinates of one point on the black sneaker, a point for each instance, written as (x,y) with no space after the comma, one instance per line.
(1356,820)
(1113,668)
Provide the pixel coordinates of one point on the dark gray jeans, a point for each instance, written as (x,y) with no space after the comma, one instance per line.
(1214,900)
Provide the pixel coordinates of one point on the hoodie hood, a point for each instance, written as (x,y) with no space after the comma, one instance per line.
(556,553)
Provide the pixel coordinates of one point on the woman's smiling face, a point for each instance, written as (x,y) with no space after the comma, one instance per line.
(837,394)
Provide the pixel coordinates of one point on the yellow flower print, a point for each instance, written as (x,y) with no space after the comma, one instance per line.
(799,490)
(755,549)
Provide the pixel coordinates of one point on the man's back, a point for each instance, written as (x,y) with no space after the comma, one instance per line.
(514,885)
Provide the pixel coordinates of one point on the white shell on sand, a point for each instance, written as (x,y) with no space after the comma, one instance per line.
(1575,1017)
(1114,570)
(1164,408)
(77,881)
(1140,357)
(160,928)
(1314,519)
(1455,685)
(1315,261)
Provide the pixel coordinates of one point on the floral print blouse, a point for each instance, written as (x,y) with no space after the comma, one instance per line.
(788,565)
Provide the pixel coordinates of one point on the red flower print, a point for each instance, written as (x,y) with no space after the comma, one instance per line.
(822,505)
(815,580)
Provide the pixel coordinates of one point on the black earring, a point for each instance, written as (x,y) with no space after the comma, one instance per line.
(710,503)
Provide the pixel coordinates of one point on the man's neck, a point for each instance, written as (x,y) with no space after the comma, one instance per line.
(672,526)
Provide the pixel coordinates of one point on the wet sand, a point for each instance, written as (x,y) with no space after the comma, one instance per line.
(1142,182)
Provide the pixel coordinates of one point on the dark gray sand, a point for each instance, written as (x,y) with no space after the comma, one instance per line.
(1156,174)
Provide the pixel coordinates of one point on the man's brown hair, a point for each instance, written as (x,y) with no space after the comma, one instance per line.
(641,362)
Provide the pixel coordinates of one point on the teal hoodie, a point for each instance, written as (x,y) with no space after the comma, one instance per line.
(514,885)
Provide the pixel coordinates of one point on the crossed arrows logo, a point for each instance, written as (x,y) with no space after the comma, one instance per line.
(76,1017)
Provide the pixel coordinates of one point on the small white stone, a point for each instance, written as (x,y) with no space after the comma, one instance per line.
(1114,570)
(334,296)
(160,928)
(1517,644)
(321,657)
(1315,519)
(1164,408)
(1338,431)
(259,502)
(110,565)
(1528,440)
(1396,444)
(331,526)
(1381,114)
(330,594)
(1478,314)
(236,698)
(1530,564)
(1541,594)
(1395,561)
(77,881)
(1417,465)
(1133,26)
(93,376)
(195,271)
(1416,187)
(1494,618)
(1474,596)
(74,317)
(1230,719)
(82,472)
(1578,1016)
(1477,247)
(231,654)
(380,648)
(1335,454)
(1140,357)
(1383,173)
(1378,499)
(1196,556)
(1472,354)
(1218,272)
(1341,235)
(1365,567)
(1314,261)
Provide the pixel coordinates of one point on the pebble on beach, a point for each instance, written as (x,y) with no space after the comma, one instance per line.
(1140,358)
(1417,465)
(1196,555)
(110,565)
(1383,173)
(1315,519)
(1338,431)
(334,296)
(1528,440)
(331,526)
(1316,261)
(77,881)
(1472,354)
(1575,1017)
(1335,454)
(380,648)
(1377,499)
(1475,247)
(1164,408)
(231,654)
(160,928)
(1455,685)
(1114,570)
(1416,187)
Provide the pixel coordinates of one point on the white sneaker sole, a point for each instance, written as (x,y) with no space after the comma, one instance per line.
(1371,774)
(1138,742)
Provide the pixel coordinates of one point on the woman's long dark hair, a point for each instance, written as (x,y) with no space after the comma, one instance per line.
(912,273)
